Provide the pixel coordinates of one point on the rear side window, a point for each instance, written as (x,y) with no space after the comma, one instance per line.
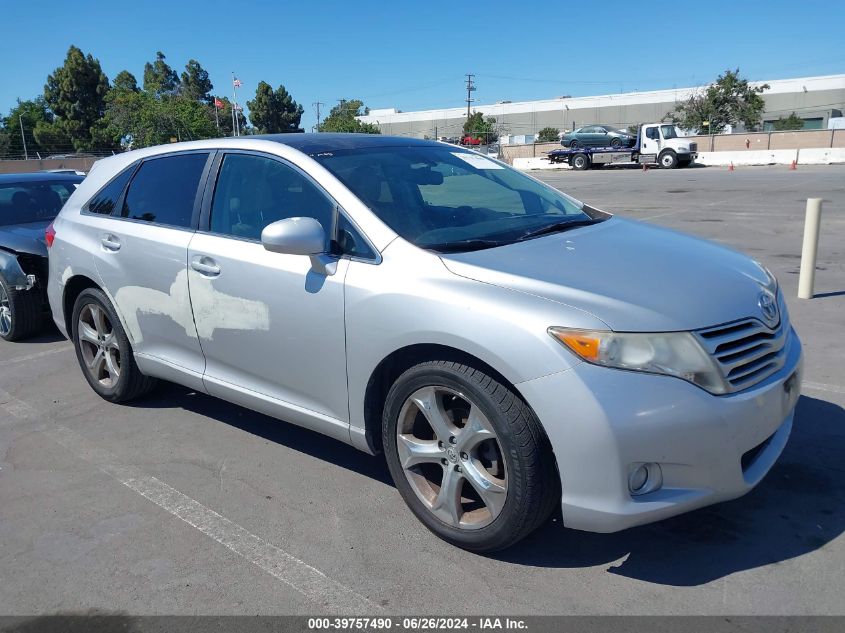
(105,202)
(164,189)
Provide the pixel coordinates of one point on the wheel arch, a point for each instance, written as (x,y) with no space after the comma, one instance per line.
(73,288)
(395,363)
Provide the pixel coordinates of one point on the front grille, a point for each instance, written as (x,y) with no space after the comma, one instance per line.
(746,351)
(693,147)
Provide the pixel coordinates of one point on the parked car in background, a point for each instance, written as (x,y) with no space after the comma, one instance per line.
(598,136)
(28,203)
(507,347)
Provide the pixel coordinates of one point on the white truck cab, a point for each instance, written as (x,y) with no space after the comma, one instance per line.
(663,144)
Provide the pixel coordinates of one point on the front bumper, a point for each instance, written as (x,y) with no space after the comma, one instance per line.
(601,422)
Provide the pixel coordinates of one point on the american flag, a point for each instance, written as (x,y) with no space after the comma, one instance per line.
(238,108)
(217,103)
(236,82)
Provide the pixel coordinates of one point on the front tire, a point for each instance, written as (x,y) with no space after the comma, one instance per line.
(580,162)
(616,143)
(468,456)
(668,159)
(21,313)
(103,349)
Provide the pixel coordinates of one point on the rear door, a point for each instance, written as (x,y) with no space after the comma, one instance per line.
(141,258)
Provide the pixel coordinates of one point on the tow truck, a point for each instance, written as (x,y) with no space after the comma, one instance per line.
(656,144)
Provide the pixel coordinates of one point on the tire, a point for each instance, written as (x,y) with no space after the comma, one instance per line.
(21,312)
(616,143)
(103,350)
(580,162)
(504,452)
(573,144)
(668,159)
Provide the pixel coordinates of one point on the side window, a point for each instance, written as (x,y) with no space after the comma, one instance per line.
(105,201)
(254,191)
(349,240)
(164,189)
(652,133)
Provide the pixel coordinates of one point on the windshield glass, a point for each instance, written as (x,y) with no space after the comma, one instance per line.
(669,131)
(444,198)
(24,202)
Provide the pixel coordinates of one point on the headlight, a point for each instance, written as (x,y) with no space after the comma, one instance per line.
(672,354)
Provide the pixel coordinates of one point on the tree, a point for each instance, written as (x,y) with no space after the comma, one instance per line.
(548,134)
(272,112)
(195,83)
(42,134)
(125,81)
(159,78)
(75,93)
(792,122)
(478,127)
(342,118)
(728,101)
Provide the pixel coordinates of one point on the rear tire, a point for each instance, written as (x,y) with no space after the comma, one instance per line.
(580,162)
(616,143)
(21,312)
(450,428)
(103,349)
(573,144)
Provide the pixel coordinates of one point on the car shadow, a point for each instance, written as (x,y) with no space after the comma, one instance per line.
(169,395)
(798,508)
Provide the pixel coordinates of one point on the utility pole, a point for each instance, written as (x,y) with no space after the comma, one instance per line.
(317,105)
(23,140)
(470,90)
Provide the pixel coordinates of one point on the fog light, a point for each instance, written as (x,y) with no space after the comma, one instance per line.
(644,478)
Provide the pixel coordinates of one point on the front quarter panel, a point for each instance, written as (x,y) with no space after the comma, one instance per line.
(410,298)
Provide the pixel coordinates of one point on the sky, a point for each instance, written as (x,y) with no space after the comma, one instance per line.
(414,55)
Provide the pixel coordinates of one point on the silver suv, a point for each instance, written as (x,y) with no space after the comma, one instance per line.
(506,347)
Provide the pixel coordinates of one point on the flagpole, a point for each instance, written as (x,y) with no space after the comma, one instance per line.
(216,116)
(234,103)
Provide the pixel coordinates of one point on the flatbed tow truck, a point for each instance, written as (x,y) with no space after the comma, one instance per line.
(656,144)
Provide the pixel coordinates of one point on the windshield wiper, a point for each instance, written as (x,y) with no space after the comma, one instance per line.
(557,227)
(458,246)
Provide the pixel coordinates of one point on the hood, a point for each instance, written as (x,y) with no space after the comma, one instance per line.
(635,277)
(25,238)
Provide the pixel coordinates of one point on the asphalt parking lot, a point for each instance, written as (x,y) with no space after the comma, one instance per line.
(183,504)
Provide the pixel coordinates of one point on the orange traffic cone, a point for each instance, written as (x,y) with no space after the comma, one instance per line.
(731,167)
(794,165)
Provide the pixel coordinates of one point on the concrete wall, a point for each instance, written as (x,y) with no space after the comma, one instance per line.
(770,140)
(25,166)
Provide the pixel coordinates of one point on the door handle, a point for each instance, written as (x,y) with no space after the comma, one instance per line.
(110,242)
(205,266)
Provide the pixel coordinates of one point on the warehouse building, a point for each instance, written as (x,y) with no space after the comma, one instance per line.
(814,99)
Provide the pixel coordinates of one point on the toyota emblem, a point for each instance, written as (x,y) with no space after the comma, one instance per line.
(768,307)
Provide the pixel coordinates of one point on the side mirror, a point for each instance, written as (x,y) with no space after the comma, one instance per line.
(300,236)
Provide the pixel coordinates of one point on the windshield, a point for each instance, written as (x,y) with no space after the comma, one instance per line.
(24,202)
(669,131)
(447,199)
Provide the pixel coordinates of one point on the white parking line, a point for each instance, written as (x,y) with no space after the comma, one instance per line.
(299,575)
(49,352)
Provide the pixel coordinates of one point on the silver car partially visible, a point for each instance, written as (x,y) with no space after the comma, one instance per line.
(507,348)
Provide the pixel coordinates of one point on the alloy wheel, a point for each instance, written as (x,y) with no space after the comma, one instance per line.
(451,457)
(5,312)
(99,346)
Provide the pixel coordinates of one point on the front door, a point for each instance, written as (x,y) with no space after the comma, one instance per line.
(650,143)
(270,326)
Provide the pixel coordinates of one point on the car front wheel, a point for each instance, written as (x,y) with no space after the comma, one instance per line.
(468,456)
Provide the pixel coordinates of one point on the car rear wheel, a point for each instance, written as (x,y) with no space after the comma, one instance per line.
(616,143)
(468,456)
(573,144)
(21,313)
(103,349)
